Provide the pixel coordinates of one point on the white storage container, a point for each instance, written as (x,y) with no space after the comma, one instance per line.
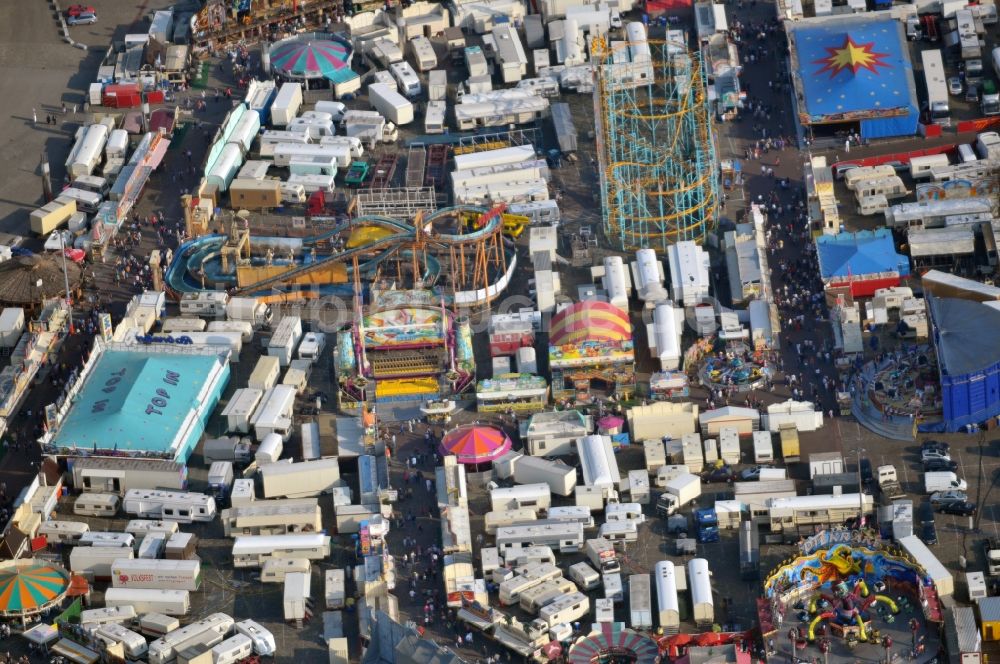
(296,596)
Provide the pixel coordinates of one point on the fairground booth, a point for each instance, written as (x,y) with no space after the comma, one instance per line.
(410,346)
(591,342)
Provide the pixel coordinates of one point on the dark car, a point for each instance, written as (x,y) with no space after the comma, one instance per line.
(866,471)
(751,474)
(928,533)
(925,513)
(934,445)
(723,474)
(961,508)
(937,465)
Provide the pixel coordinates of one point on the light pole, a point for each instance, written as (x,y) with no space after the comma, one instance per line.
(69,302)
(824,648)
(858,451)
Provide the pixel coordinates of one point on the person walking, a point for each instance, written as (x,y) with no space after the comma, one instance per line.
(34,117)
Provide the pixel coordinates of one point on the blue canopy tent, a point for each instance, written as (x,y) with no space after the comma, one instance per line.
(855,69)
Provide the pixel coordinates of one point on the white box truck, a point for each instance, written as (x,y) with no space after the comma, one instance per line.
(678,491)
(220,478)
(296,596)
(392,105)
(227,448)
(286,104)
(602,554)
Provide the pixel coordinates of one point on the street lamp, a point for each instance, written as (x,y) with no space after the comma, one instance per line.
(861,493)
(69,304)
(887,644)
(824,648)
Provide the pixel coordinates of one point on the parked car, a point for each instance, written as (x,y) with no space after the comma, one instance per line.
(82,19)
(937,465)
(928,455)
(939,498)
(928,533)
(76,10)
(722,474)
(955,85)
(972,93)
(751,474)
(934,445)
(925,513)
(866,471)
(959,507)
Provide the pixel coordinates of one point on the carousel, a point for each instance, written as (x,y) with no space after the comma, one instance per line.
(475,446)
(850,595)
(29,588)
(908,385)
(739,369)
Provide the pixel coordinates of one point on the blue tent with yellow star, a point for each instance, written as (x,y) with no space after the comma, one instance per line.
(855,68)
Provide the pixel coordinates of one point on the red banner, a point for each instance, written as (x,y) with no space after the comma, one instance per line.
(930,131)
(979,124)
(901,157)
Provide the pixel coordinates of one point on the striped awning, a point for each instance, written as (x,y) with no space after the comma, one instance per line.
(611,639)
(589,321)
(30,588)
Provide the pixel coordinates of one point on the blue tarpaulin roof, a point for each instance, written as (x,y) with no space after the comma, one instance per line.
(968,358)
(852,67)
(854,254)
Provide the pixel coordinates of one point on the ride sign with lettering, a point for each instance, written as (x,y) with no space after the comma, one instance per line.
(162,396)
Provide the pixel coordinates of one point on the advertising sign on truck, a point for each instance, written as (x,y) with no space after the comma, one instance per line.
(156,574)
